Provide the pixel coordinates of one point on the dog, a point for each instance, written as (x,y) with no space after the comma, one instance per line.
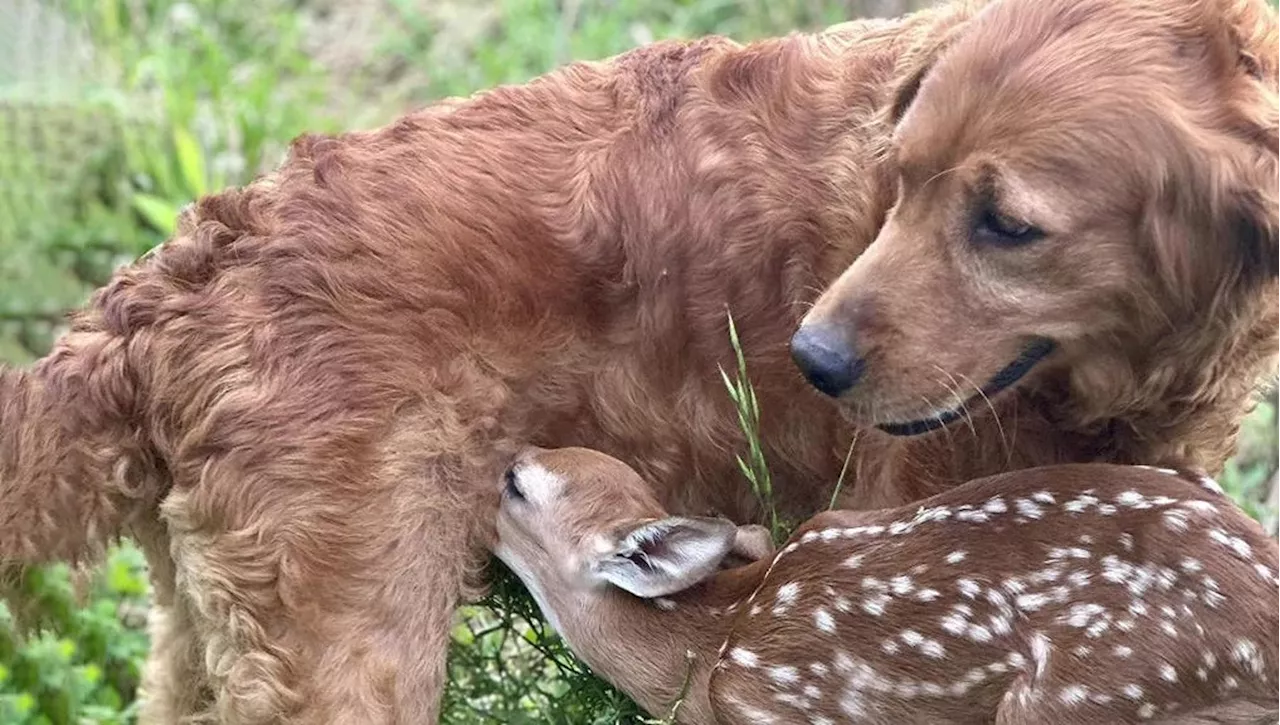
(296,404)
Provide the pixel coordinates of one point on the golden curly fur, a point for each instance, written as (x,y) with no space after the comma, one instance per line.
(297,404)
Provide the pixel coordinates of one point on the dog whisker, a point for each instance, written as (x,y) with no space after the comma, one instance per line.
(941,174)
(938,414)
(953,389)
(995,414)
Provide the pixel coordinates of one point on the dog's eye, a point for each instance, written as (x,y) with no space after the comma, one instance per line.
(996,228)
(512,490)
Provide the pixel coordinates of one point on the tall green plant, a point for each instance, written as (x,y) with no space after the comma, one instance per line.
(754,467)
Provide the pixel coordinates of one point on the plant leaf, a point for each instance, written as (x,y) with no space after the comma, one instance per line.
(159,213)
(190,161)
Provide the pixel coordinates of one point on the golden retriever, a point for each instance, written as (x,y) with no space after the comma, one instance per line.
(297,404)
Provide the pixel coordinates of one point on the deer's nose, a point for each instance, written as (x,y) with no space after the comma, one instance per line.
(827,357)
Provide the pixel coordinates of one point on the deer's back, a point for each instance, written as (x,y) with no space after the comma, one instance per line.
(1089,591)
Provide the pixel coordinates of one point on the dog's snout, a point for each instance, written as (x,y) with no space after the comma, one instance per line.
(827,358)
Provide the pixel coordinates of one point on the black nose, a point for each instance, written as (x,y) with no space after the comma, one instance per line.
(826,358)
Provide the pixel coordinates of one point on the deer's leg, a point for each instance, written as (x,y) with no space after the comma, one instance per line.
(330,600)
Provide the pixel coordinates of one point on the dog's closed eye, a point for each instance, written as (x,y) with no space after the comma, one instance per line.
(1002,230)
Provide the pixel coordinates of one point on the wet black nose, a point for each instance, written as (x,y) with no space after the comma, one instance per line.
(827,359)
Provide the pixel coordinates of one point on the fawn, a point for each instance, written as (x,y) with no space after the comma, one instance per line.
(1067,594)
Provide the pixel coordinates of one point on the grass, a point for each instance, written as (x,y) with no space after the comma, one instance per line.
(754,467)
(116,113)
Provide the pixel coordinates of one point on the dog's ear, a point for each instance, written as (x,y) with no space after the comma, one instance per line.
(907,91)
(1216,202)
(1257,210)
(1252,206)
(1213,224)
(1244,181)
(916,62)
(1252,222)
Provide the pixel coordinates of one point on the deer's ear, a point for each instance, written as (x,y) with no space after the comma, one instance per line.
(661,557)
(753,542)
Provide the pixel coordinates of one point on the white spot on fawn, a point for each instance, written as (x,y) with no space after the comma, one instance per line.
(901,585)
(933,648)
(1027,508)
(1073,694)
(954,624)
(1031,602)
(1211,485)
(1245,652)
(1132,499)
(1081,614)
(956,557)
(927,595)
(744,657)
(788,592)
(875,605)
(784,674)
(1201,507)
(1080,503)
(1040,646)
(979,633)
(1237,545)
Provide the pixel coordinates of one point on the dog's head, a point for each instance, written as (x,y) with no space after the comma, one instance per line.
(1078,181)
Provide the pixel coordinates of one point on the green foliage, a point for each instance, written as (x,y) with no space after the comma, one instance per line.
(508,666)
(85,667)
(754,468)
(182,99)
(179,99)
(130,109)
(1250,477)
(510,41)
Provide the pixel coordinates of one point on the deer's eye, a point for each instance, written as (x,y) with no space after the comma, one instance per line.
(512,489)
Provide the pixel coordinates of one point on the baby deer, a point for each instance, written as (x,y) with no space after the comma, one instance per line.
(1070,594)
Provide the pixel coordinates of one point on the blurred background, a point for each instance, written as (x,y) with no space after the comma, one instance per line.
(115,113)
